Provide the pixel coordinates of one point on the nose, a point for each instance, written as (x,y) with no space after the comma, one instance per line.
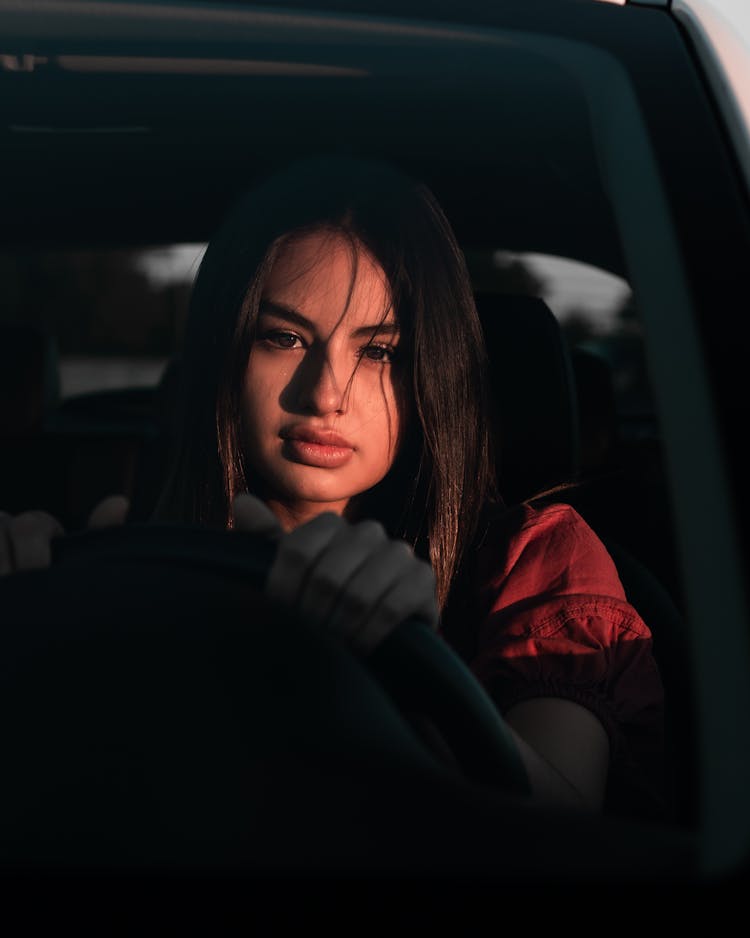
(322,384)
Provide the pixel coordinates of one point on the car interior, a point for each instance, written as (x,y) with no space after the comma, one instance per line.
(126,132)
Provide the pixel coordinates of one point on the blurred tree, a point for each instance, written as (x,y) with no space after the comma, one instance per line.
(93,302)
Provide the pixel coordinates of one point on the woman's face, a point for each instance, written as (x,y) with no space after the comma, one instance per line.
(322,405)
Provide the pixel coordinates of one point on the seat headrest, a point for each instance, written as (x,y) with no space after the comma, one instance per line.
(533,398)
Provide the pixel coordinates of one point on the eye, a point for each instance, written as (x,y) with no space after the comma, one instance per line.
(378,353)
(279,338)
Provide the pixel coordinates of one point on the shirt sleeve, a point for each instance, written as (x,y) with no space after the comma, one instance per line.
(555,622)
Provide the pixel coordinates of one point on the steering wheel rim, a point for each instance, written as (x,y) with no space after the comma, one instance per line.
(413,664)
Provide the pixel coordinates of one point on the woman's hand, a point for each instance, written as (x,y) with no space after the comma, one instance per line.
(26,539)
(350,579)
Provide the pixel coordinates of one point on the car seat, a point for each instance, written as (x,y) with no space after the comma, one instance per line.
(153,456)
(98,436)
(622,488)
(29,379)
(62,456)
(29,392)
(597,411)
(534,425)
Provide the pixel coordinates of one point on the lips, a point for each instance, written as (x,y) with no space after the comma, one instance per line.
(316,446)
(320,437)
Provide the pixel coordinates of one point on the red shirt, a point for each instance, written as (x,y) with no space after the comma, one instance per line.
(550,619)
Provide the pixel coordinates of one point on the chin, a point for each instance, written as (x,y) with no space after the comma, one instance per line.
(312,490)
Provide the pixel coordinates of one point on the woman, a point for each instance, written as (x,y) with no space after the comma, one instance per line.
(333,397)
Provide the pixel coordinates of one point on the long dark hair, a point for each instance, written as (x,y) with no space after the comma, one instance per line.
(443,476)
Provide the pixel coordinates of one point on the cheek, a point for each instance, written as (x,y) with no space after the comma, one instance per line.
(387,404)
(259,398)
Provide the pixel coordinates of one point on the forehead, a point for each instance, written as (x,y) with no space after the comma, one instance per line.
(327,268)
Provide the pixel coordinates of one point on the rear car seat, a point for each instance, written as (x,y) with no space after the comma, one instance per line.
(153,456)
(62,456)
(30,473)
(100,436)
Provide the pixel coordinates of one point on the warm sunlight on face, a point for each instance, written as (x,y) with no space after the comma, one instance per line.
(321,405)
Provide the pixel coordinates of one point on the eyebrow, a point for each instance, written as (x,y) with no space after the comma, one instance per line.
(295,316)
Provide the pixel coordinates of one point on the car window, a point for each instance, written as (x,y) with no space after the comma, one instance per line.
(113,317)
(573,173)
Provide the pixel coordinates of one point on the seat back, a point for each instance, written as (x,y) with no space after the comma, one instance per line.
(29,379)
(29,390)
(153,459)
(534,417)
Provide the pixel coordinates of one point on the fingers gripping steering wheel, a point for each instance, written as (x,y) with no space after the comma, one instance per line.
(413,664)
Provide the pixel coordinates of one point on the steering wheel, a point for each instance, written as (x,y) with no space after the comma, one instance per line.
(414,664)
(120,580)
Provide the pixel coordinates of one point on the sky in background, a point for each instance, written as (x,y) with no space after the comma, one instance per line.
(570,286)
